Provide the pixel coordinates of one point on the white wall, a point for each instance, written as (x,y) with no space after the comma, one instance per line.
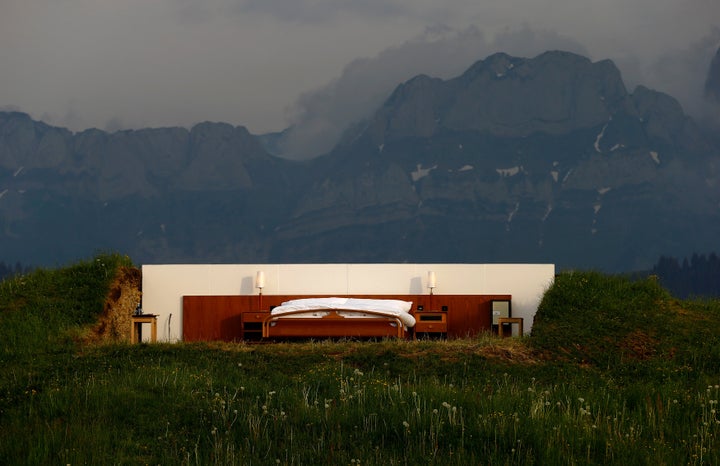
(165,285)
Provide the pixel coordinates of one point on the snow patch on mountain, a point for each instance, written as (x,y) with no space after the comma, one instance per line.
(598,138)
(547,212)
(421,172)
(512,171)
(656,158)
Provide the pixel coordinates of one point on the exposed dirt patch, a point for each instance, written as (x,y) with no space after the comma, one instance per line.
(510,353)
(122,299)
(639,345)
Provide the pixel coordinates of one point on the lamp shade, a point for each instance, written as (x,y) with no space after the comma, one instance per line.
(260,280)
(432,283)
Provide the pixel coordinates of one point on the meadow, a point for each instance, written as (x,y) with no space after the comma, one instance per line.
(616,371)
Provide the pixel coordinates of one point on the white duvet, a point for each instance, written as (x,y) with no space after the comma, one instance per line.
(315,306)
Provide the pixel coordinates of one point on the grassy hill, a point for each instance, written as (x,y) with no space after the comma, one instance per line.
(615,372)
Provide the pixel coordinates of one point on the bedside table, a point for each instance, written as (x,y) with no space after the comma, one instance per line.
(252,324)
(431,324)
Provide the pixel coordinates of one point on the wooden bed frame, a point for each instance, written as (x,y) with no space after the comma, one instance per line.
(332,325)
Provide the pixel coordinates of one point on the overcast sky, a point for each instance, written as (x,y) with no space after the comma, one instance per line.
(265,64)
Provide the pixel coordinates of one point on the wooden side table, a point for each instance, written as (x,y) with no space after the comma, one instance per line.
(252,323)
(136,327)
(431,324)
(510,320)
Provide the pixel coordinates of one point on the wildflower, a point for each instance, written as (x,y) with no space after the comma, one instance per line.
(406,424)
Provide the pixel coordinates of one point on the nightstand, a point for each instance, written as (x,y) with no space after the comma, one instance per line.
(431,324)
(252,324)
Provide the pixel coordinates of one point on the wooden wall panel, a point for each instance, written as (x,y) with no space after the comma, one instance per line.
(208,318)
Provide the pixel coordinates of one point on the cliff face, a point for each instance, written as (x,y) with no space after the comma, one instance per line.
(543,159)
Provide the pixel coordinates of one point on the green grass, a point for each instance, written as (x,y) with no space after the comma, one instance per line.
(615,372)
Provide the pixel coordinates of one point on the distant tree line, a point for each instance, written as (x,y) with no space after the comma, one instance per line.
(697,277)
(7,270)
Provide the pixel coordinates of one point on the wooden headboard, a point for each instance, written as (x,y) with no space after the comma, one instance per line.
(209,318)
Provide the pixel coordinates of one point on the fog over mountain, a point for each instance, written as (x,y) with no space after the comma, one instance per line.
(314,65)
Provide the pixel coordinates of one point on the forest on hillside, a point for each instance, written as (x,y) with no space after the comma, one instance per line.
(698,276)
(7,270)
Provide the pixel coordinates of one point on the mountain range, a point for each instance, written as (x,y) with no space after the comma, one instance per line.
(544,159)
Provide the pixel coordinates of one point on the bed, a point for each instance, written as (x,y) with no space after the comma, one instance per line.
(339,318)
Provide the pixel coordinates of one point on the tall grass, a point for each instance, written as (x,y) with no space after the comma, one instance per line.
(552,398)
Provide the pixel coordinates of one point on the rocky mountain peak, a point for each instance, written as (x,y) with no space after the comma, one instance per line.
(553,93)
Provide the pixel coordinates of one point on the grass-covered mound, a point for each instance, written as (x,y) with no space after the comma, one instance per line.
(48,309)
(575,392)
(607,321)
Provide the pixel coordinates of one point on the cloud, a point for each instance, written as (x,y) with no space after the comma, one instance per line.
(315,11)
(9,108)
(266,64)
(682,73)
